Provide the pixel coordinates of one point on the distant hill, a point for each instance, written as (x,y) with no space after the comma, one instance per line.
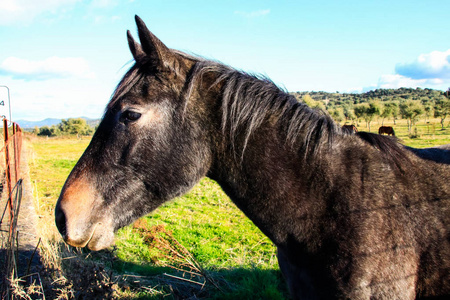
(51,121)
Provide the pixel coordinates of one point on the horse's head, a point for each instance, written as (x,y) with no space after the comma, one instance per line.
(149,147)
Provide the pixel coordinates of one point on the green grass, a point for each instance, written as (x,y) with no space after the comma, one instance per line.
(429,132)
(50,163)
(217,233)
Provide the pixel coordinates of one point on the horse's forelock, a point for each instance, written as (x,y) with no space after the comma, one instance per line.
(131,78)
(142,69)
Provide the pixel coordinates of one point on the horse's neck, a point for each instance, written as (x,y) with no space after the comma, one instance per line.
(268,178)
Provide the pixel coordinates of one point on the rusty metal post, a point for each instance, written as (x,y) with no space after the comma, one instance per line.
(10,254)
(16,152)
(7,166)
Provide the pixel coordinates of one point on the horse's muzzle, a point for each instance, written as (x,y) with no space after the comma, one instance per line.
(79,219)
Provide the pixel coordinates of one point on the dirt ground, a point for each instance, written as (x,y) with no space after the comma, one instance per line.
(27,259)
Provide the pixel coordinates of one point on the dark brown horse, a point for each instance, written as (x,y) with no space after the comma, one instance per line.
(350,128)
(387,130)
(353,216)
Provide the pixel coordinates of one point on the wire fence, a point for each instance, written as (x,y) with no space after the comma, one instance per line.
(11,188)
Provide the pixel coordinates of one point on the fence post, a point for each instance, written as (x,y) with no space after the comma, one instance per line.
(7,166)
(16,152)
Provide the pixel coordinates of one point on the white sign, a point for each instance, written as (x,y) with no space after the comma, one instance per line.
(5,109)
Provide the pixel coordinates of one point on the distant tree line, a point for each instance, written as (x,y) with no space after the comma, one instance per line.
(77,126)
(404,103)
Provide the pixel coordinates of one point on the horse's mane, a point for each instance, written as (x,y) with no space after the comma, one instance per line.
(390,147)
(249,100)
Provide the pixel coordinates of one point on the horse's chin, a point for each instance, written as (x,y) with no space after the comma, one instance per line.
(101,239)
(96,238)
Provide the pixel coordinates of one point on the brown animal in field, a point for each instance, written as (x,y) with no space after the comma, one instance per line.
(387,130)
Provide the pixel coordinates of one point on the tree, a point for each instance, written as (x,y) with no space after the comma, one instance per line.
(348,112)
(374,110)
(442,109)
(411,110)
(308,100)
(390,109)
(360,110)
(49,131)
(428,107)
(75,126)
(386,112)
(45,131)
(395,110)
(368,111)
(337,114)
(69,126)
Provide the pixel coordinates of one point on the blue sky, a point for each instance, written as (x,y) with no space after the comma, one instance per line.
(63,58)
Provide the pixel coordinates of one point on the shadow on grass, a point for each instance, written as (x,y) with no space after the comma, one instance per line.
(25,266)
(157,282)
(83,274)
(101,275)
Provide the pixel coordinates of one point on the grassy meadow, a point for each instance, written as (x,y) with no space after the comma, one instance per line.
(199,245)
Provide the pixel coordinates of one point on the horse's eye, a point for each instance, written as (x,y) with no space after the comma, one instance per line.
(128,116)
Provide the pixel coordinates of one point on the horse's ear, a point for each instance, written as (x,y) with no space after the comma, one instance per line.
(135,48)
(156,52)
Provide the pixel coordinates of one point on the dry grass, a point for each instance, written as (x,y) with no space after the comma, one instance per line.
(66,273)
(21,290)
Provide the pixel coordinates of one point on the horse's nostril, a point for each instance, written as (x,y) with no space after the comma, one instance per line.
(60,219)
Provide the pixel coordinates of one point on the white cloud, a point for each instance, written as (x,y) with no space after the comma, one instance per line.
(50,68)
(395,81)
(104,3)
(64,98)
(430,70)
(101,19)
(430,65)
(398,81)
(13,11)
(353,90)
(253,14)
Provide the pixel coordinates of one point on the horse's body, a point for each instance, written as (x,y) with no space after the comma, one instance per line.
(440,154)
(387,130)
(350,128)
(353,215)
